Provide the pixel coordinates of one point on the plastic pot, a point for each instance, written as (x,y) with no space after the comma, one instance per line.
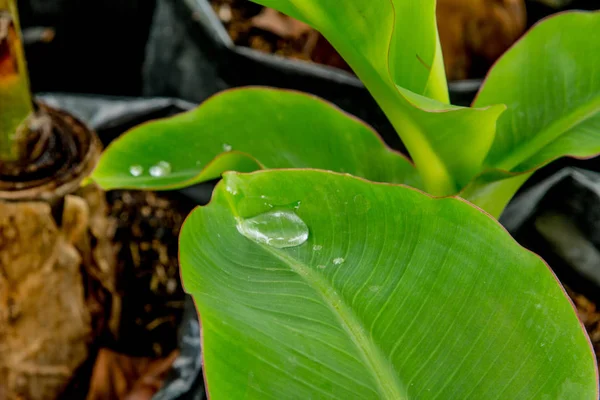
(559,219)
(94,47)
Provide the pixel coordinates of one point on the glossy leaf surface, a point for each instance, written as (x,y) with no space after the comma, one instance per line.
(550,81)
(245,130)
(387,294)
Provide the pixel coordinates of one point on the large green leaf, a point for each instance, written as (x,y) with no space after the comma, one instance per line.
(245,130)
(550,81)
(393,47)
(393,295)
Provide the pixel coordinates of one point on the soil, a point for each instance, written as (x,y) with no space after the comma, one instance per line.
(252,25)
(148,267)
(589,314)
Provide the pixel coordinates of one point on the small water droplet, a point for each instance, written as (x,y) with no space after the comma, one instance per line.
(163,168)
(338,261)
(321,266)
(263,196)
(317,247)
(374,288)
(136,170)
(278,228)
(232,186)
(227,147)
(297,205)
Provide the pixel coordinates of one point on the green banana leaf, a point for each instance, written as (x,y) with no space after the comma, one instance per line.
(550,81)
(316,285)
(245,130)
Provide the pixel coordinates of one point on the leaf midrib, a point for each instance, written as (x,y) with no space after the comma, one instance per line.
(549,134)
(390,388)
(383,372)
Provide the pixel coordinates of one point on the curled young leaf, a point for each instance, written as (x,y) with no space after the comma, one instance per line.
(550,81)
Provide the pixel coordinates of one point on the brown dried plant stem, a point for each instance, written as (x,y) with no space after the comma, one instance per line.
(15,98)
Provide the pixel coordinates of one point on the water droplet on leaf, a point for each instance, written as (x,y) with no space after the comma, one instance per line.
(321,266)
(338,261)
(278,228)
(227,147)
(163,168)
(317,247)
(136,170)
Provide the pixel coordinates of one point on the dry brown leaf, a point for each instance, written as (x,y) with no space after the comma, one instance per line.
(280,24)
(121,377)
(8,61)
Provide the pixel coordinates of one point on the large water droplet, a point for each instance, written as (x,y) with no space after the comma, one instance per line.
(277,228)
(163,168)
(136,170)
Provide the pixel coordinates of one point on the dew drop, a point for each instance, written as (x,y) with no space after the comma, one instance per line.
(317,247)
(136,170)
(232,186)
(277,228)
(227,147)
(163,168)
(321,266)
(374,288)
(338,261)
